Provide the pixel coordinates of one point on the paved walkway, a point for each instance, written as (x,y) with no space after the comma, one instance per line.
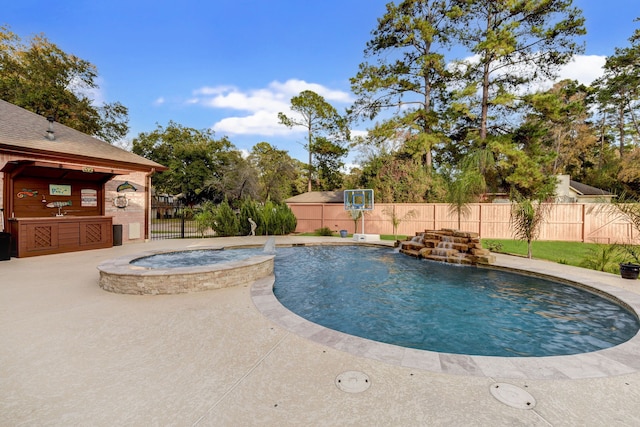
(73,354)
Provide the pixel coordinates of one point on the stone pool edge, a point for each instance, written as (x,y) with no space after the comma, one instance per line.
(118,275)
(614,361)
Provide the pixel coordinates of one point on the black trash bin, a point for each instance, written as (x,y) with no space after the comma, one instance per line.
(5,246)
(117,234)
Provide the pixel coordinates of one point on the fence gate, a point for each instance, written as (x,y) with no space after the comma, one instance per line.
(174,220)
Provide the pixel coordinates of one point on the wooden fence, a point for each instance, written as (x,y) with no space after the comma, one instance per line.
(589,222)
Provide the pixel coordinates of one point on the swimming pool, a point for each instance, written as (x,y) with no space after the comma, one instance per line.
(380,295)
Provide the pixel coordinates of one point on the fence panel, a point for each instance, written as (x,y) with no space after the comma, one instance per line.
(564,222)
(494,221)
(592,223)
(604,225)
(568,222)
(414,217)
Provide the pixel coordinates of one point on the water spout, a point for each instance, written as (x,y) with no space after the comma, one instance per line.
(270,246)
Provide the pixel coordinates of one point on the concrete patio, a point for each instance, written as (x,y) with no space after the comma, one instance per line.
(74,354)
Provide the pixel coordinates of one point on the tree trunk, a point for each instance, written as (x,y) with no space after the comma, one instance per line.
(621,129)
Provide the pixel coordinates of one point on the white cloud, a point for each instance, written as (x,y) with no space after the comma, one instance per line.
(159,101)
(583,68)
(359,133)
(293,87)
(260,123)
(262,105)
(255,101)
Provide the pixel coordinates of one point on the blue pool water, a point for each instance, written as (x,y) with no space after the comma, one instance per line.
(384,296)
(195,257)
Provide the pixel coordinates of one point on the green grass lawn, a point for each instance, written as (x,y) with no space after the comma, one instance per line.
(562,252)
(588,255)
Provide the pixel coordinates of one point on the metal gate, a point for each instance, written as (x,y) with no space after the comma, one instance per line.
(170,219)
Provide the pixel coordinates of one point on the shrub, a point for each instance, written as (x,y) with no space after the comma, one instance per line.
(250,209)
(492,246)
(324,231)
(225,220)
(278,218)
(602,258)
(205,217)
(287,220)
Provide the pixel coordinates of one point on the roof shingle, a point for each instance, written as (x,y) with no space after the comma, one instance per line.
(318,197)
(22,131)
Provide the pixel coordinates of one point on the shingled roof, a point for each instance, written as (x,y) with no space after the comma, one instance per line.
(318,197)
(25,133)
(587,190)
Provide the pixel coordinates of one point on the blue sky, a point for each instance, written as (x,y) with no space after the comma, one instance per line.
(232,65)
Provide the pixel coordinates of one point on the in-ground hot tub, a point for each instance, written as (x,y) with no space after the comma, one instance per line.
(132,275)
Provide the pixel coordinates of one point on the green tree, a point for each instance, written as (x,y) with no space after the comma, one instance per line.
(619,92)
(277,172)
(560,117)
(527,217)
(521,164)
(234,179)
(464,189)
(40,77)
(193,157)
(396,178)
(410,74)
(396,219)
(513,44)
(328,163)
(319,118)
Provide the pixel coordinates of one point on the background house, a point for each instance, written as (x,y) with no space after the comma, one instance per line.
(570,191)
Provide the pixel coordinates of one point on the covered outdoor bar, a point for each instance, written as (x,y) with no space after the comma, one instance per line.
(63,190)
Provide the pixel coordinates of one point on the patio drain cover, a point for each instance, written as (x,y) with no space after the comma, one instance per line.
(513,396)
(353,381)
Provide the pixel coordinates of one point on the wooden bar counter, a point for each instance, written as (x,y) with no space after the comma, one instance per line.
(52,235)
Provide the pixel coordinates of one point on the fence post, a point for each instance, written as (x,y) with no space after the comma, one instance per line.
(435,222)
(583,223)
(182,224)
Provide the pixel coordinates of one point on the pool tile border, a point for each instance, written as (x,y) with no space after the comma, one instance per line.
(618,360)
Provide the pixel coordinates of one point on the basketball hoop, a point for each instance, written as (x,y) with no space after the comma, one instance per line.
(358,200)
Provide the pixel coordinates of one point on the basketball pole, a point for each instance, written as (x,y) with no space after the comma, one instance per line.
(359,200)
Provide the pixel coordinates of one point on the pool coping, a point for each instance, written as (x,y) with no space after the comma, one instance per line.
(118,275)
(614,361)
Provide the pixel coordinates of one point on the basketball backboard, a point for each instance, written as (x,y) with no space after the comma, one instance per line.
(359,200)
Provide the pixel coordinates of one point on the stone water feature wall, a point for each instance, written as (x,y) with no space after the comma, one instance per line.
(447,245)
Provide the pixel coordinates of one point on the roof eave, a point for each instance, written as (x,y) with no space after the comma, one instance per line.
(56,156)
